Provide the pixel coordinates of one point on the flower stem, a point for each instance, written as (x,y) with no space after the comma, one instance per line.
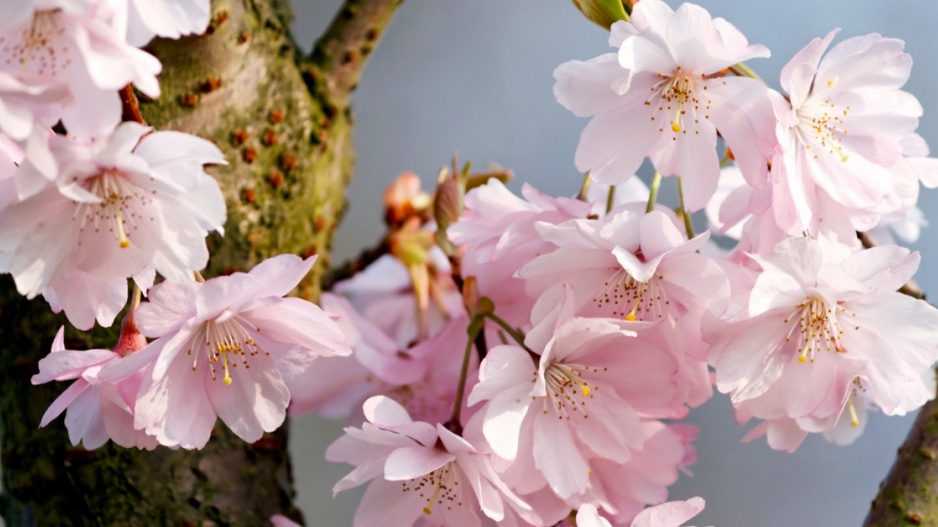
(475,327)
(688,224)
(135,299)
(653,192)
(516,335)
(742,70)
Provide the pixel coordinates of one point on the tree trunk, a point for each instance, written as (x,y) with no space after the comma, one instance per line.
(284,123)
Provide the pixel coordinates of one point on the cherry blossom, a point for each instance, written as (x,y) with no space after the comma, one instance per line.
(384,293)
(418,472)
(79,43)
(662,97)
(628,265)
(577,401)
(498,231)
(229,348)
(421,378)
(846,136)
(824,323)
(96,410)
(118,208)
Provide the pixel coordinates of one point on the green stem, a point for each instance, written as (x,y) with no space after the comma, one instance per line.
(653,192)
(610,198)
(688,224)
(743,70)
(475,326)
(516,335)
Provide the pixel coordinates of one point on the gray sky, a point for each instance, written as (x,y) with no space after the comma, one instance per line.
(474,77)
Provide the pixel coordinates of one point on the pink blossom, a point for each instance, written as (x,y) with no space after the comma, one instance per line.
(577,399)
(79,43)
(230,348)
(659,98)
(498,231)
(847,149)
(824,323)
(628,265)
(422,378)
(96,409)
(125,206)
(418,472)
(384,294)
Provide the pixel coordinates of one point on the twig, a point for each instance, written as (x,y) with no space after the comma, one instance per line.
(341,53)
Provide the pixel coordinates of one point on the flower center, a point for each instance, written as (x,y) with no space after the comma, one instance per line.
(675,95)
(630,299)
(228,343)
(439,487)
(822,126)
(116,211)
(567,389)
(819,328)
(38,46)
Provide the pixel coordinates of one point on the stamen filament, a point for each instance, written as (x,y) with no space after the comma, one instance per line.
(854,420)
(121,233)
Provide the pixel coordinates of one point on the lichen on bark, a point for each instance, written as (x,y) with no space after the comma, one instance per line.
(286,132)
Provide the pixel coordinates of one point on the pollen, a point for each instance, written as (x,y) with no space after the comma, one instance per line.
(227,344)
(39,46)
(820,330)
(622,296)
(822,123)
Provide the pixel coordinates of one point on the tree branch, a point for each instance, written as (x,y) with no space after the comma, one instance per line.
(908,494)
(341,53)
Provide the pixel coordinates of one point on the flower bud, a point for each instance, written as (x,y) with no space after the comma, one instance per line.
(604,12)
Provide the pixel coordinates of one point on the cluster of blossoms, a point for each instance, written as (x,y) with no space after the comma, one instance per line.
(521,361)
(591,326)
(102,201)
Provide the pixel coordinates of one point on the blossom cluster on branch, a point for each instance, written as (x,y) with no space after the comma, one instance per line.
(513,360)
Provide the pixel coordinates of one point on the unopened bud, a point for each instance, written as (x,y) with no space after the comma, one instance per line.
(604,12)
(130,339)
(447,207)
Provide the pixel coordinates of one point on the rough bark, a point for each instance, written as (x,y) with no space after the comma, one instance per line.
(909,494)
(284,123)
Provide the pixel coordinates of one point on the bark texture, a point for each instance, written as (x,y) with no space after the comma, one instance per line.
(284,123)
(909,494)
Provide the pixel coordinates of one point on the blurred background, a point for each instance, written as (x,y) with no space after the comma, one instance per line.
(475,78)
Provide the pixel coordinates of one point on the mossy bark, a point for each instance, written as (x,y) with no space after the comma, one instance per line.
(909,494)
(284,123)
